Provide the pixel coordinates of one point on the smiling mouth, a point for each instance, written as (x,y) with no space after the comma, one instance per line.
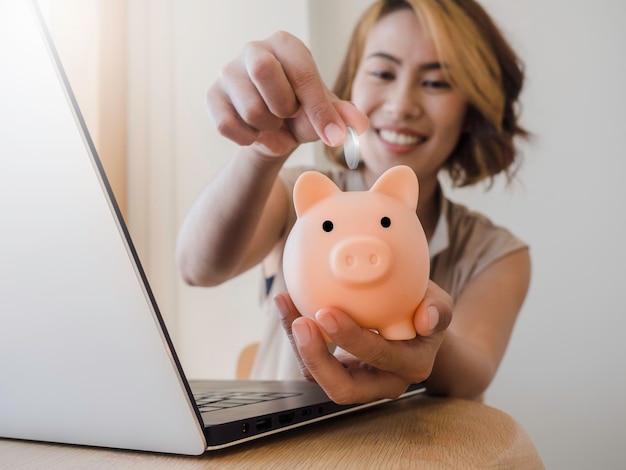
(397,138)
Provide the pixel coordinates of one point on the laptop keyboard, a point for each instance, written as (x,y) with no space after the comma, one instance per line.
(219,400)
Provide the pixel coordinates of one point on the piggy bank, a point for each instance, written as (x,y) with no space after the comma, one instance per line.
(363,252)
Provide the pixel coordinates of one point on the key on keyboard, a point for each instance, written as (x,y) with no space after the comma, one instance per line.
(212,401)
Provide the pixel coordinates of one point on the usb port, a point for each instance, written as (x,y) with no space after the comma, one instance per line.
(263,424)
(286,418)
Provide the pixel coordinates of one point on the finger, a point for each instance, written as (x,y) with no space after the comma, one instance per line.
(226,118)
(342,385)
(246,98)
(434,314)
(268,76)
(309,88)
(365,385)
(358,384)
(288,315)
(305,132)
(351,115)
(312,349)
(368,346)
(410,359)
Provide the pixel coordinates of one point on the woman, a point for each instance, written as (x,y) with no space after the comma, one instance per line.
(430,84)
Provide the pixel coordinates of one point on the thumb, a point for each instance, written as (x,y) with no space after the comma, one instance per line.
(434,313)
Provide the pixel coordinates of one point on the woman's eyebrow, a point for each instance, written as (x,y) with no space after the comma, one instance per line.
(423,67)
(384,55)
(430,66)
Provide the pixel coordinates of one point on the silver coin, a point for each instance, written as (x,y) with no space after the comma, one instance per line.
(351,149)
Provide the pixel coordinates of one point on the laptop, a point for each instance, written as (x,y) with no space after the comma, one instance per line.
(85,356)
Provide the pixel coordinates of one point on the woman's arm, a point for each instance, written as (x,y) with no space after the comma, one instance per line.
(483,320)
(235,222)
(269,100)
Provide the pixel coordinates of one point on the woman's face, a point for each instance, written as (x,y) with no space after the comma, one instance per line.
(416,118)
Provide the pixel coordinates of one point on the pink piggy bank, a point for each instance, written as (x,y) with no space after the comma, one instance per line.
(363,252)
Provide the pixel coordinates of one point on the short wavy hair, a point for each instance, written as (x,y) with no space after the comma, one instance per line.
(480,64)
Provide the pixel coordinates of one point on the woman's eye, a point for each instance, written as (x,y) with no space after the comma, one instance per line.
(436,84)
(383,75)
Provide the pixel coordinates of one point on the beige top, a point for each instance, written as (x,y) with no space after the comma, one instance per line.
(463,244)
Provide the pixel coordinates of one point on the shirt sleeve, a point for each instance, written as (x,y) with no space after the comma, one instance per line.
(474,244)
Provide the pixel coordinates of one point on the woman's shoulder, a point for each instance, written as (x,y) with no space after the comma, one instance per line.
(466,225)
(474,243)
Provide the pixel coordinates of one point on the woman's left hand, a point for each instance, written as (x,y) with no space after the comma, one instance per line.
(365,366)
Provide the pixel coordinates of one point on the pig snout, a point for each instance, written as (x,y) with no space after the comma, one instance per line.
(360,260)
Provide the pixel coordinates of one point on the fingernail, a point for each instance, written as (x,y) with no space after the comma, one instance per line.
(327,321)
(433,317)
(301,332)
(334,135)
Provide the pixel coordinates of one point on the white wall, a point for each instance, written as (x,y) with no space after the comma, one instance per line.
(564,376)
(177,50)
(95,63)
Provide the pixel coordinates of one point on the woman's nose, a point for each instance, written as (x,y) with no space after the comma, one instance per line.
(403,101)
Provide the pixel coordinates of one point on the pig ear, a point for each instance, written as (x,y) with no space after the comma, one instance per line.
(400,183)
(310,188)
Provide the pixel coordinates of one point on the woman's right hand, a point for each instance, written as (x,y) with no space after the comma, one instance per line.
(272,97)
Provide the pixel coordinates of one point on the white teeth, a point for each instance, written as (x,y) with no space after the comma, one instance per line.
(399,139)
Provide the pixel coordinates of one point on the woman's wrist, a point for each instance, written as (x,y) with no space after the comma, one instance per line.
(255,156)
(460,369)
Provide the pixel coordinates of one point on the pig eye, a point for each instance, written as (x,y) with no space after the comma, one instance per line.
(327,226)
(385,222)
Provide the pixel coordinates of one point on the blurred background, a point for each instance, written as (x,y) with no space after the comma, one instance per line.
(140,70)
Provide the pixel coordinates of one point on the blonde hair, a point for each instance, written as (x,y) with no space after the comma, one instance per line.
(479,63)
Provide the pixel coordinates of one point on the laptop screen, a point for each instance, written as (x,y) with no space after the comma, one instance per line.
(79,322)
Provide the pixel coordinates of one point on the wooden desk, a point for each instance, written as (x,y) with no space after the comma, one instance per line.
(413,433)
